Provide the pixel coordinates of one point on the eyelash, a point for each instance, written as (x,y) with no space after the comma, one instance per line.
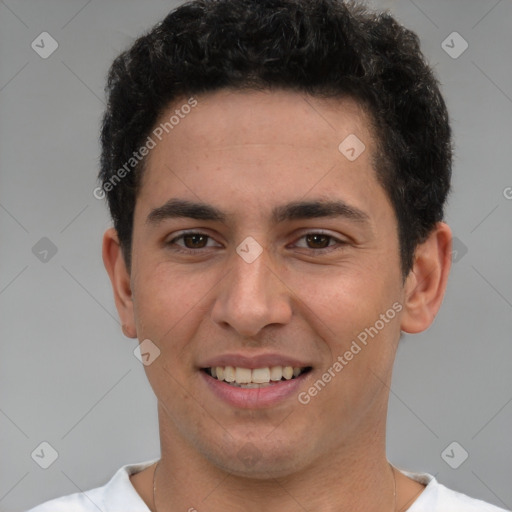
(183,250)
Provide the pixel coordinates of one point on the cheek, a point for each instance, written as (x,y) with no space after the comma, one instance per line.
(171,302)
(348,296)
(356,314)
(359,328)
(169,308)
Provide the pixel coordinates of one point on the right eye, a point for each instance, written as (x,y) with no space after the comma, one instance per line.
(193,242)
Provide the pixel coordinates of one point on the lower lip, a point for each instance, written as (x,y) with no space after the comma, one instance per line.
(254,398)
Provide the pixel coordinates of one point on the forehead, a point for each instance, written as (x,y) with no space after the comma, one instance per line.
(252,147)
(231,117)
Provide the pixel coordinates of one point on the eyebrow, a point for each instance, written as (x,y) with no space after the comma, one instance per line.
(296,210)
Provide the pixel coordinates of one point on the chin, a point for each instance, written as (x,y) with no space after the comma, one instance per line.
(264,469)
(259,460)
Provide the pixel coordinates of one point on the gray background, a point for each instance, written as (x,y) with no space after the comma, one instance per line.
(67,374)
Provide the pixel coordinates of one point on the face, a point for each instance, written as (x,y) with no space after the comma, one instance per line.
(260,250)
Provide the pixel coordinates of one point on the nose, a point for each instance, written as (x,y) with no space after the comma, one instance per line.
(252,296)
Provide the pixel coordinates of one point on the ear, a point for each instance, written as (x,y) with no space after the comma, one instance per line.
(115,265)
(426,283)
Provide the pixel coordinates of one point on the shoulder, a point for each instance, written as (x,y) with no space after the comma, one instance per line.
(117,494)
(87,501)
(453,500)
(438,498)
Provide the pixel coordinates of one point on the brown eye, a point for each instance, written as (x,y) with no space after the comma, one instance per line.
(318,241)
(192,243)
(195,241)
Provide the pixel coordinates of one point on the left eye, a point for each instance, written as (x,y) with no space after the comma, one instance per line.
(319,240)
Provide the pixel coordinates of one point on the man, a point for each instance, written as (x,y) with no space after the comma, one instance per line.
(276,171)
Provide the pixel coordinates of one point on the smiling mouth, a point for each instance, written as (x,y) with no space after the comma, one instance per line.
(257,377)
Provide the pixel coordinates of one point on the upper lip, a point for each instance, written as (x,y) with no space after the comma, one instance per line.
(254,361)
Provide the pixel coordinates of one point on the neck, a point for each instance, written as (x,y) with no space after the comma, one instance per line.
(354,477)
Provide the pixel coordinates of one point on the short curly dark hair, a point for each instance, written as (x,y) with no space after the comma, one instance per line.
(325,48)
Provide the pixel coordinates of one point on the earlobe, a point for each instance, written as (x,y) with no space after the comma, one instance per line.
(425,285)
(115,265)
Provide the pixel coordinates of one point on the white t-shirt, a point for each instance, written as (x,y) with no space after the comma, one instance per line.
(119,495)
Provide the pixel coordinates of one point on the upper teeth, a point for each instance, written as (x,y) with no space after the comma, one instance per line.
(254,376)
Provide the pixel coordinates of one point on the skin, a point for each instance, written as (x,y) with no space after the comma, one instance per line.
(246,153)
